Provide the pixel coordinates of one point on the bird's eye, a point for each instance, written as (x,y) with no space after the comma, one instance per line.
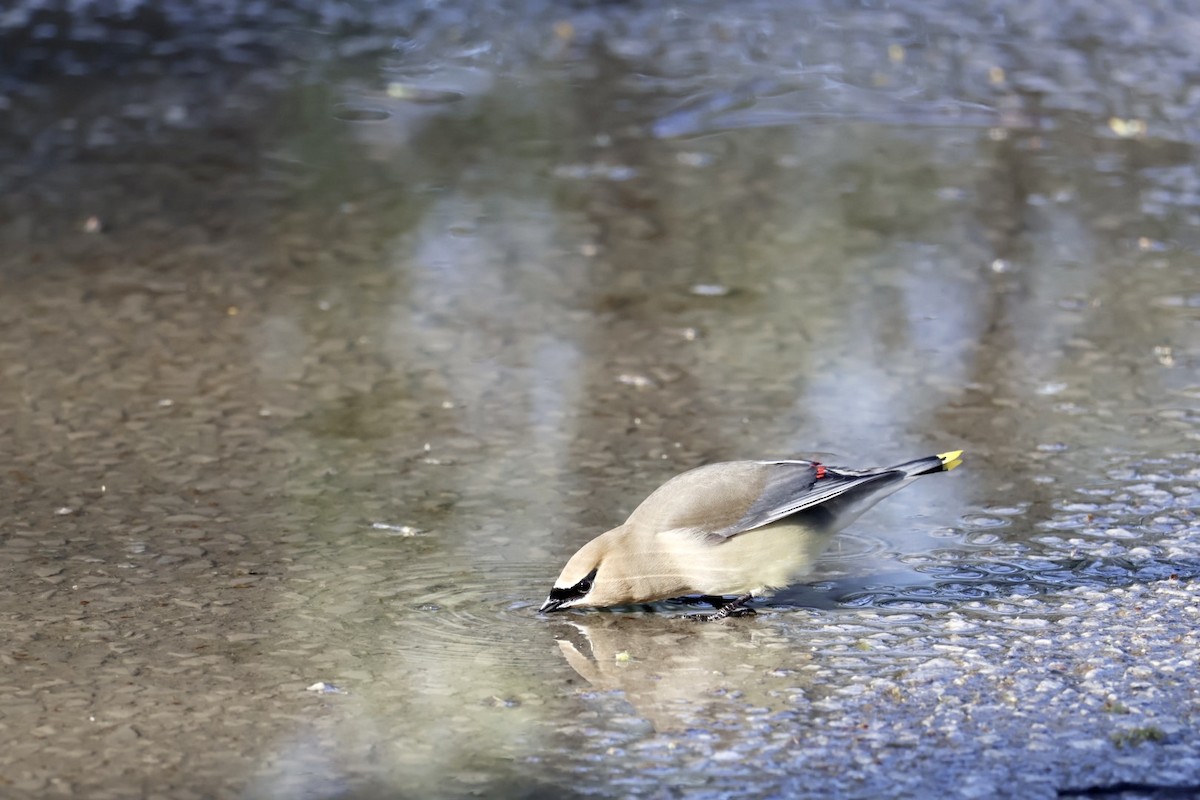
(580,589)
(585,585)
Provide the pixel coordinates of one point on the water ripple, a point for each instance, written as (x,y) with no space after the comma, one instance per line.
(489,609)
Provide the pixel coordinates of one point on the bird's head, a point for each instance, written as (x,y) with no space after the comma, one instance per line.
(591,578)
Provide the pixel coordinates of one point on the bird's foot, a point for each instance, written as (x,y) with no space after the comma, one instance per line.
(737,612)
(725,608)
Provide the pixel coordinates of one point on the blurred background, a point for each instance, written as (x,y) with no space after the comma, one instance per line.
(328,330)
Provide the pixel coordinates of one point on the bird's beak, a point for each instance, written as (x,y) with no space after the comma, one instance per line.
(551,605)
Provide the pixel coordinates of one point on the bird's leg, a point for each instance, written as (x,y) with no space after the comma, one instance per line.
(727,608)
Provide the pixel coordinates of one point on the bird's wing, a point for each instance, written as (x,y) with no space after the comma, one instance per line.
(792,487)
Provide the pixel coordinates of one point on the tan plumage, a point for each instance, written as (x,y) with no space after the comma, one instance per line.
(739,528)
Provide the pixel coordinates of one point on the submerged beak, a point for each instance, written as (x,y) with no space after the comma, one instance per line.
(551,605)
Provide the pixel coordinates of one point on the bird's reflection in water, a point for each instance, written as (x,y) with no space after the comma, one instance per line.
(678,673)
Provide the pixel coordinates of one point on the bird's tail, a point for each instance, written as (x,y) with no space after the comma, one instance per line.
(942,462)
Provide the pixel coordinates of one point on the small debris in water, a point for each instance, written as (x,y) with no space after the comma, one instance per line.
(321,687)
(564,30)
(416,94)
(1136,736)
(1112,706)
(635,380)
(623,657)
(397,530)
(1127,128)
(710,290)
(595,171)
(694,159)
(93,225)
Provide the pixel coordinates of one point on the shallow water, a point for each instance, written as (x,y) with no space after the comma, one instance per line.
(321,351)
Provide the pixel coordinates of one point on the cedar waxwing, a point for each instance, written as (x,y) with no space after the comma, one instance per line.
(740,528)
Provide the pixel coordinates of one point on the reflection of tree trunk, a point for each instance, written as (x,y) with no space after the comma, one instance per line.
(647,409)
(1004,196)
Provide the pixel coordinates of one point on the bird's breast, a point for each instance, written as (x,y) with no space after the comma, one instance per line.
(757,561)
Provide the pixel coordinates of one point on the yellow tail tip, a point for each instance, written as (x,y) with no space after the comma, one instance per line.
(951,460)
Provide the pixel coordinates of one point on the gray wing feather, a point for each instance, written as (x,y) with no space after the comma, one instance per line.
(794,487)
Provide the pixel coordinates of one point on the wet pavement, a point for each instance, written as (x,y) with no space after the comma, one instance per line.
(321,350)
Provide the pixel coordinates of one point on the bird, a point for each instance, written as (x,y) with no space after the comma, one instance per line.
(735,529)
